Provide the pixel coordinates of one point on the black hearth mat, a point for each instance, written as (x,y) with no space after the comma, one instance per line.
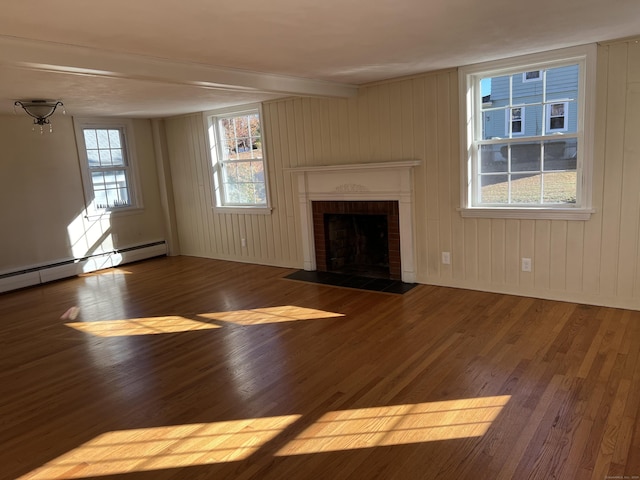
(353,281)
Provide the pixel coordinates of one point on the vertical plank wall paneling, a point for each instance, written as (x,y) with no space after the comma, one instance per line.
(597,261)
(614,133)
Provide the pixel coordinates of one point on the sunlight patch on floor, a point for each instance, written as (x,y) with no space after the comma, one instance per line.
(158,448)
(397,425)
(107,271)
(141,326)
(256,316)
(181,446)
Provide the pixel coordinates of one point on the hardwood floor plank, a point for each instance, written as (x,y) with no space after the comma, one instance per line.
(194,368)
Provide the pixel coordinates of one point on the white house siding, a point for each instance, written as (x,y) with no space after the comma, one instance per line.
(595,261)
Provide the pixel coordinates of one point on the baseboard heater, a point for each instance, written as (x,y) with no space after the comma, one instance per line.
(75,266)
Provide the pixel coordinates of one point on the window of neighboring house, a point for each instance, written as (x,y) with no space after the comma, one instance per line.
(545,170)
(238,159)
(517,120)
(532,76)
(557,117)
(107,165)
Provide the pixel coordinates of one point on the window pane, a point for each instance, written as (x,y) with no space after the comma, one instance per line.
(97,179)
(525,188)
(557,123)
(246,193)
(231,193)
(493,158)
(494,189)
(124,197)
(112,197)
(105,157)
(244,172)
(531,91)
(230,151)
(230,172)
(560,154)
(257,170)
(494,124)
(557,109)
(562,83)
(243,148)
(100,199)
(116,156)
(90,139)
(560,187)
(93,158)
(114,139)
(525,157)
(103,138)
(121,178)
(261,194)
(241,126)
(254,121)
(533,120)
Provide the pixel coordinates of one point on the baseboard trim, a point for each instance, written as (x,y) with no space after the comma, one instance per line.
(39,274)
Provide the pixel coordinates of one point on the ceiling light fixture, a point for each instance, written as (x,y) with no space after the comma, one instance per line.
(40,111)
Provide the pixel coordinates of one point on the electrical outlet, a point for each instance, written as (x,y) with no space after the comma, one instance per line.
(526,264)
(243,241)
(446,258)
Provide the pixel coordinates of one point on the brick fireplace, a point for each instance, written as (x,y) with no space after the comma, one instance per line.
(359,237)
(368,189)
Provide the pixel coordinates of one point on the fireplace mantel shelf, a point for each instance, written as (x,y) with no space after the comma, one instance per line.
(356,166)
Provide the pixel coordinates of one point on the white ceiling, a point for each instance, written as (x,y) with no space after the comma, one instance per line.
(151,58)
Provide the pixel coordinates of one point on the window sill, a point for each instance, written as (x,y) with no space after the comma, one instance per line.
(244,210)
(582,214)
(114,213)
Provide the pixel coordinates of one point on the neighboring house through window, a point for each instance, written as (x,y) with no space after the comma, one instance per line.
(526,135)
(107,164)
(238,159)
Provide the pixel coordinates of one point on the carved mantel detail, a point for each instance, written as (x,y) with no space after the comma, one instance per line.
(350,187)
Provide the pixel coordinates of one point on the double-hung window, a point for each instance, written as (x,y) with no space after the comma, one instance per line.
(238,159)
(527,128)
(107,164)
(517,120)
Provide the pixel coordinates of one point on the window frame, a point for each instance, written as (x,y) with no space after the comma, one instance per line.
(536,79)
(470,95)
(130,164)
(212,131)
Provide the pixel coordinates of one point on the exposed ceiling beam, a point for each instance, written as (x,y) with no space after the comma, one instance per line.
(76,60)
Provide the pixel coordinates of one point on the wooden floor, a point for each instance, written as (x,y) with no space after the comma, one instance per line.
(184,368)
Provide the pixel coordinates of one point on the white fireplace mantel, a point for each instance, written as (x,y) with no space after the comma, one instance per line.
(360,182)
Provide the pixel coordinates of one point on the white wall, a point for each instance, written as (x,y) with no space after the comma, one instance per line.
(42,201)
(597,261)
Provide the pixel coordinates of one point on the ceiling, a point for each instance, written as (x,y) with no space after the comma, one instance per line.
(155,58)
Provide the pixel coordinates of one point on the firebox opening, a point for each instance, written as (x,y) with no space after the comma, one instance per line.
(357,244)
